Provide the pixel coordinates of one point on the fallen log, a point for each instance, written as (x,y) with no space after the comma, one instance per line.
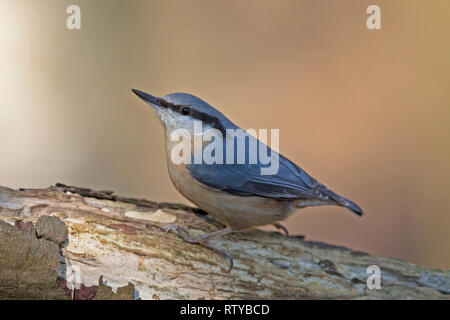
(75,243)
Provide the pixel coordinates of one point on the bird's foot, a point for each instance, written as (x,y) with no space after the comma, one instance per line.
(182,233)
(280,226)
(203,240)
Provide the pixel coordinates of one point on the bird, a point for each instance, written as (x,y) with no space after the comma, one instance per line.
(237,194)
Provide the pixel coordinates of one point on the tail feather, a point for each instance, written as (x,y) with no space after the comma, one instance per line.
(341,200)
(353,207)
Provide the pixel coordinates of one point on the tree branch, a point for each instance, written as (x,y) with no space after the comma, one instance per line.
(116,248)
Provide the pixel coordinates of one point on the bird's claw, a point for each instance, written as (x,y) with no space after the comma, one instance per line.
(280,226)
(222,252)
(183,233)
(201,240)
(172,227)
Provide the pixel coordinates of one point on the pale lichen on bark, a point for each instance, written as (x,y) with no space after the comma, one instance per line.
(122,242)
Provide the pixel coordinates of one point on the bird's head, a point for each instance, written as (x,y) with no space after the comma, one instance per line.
(183,110)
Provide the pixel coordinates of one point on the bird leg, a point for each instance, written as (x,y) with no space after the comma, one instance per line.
(203,240)
(280,226)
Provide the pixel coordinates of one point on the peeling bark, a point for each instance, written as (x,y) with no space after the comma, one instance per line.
(73,243)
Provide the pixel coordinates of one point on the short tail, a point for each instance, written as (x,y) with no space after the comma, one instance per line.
(353,207)
(342,201)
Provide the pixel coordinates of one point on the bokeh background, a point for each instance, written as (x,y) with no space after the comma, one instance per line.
(365,112)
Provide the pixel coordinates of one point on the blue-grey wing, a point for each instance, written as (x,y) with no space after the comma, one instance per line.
(290,182)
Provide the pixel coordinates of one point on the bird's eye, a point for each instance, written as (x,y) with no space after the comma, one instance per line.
(186,111)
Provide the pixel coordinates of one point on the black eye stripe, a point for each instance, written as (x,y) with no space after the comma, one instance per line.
(174,107)
(166,104)
(198,115)
(209,120)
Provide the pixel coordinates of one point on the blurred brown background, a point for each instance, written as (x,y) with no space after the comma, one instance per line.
(366,112)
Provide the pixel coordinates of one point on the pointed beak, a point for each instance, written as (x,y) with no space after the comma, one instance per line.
(148,98)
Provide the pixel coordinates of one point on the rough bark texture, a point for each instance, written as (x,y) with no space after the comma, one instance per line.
(71,243)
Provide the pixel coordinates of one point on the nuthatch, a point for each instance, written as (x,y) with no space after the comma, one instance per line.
(237,194)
